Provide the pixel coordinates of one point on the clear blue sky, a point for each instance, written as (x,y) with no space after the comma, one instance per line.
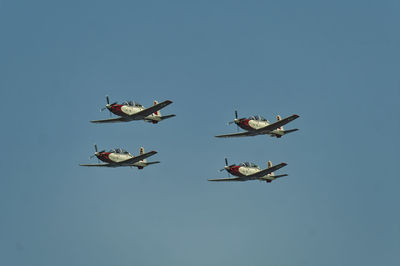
(335,63)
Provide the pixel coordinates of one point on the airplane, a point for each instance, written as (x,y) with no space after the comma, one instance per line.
(258,125)
(249,171)
(129,111)
(119,157)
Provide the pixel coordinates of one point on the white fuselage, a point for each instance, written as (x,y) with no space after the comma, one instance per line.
(246,171)
(252,170)
(251,124)
(120,157)
(130,110)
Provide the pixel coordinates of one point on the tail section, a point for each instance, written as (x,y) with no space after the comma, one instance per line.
(143,163)
(278,118)
(157,113)
(141,151)
(269,166)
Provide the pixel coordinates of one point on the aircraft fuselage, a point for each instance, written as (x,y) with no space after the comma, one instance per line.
(126,110)
(252,125)
(242,171)
(117,158)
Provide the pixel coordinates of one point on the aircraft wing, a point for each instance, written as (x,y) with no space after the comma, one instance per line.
(241,134)
(228,179)
(267,171)
(148,111)
(275,125)
(138,158)
(111,120)
(99,165)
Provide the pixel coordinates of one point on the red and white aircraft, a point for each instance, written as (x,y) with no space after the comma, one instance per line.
(129,111)
(258,125)
(249,171)
(119,157)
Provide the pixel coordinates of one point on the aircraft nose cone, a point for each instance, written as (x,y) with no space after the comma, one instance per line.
(108,106)
(227,167)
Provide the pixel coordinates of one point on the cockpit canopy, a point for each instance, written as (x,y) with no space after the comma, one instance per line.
(247,164)
(119,150)
(258,118)
(132,103)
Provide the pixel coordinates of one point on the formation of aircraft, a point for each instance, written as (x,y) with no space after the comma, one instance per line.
(249,171)
(258,125)
(130,111)
(119,157)
(253,126)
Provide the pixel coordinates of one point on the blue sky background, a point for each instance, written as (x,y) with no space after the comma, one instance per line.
(336,64)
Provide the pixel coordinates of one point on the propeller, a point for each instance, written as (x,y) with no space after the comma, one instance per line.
(96,152)
(108,105)
(226,166)
(235,121)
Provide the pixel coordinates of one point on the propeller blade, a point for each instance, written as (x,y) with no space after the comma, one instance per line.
(107,99)
(236,114)
(226,161)
(95,147)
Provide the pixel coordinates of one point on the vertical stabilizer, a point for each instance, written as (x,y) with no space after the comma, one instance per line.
(157,113)
(269,166)
(278,118)
(141,151)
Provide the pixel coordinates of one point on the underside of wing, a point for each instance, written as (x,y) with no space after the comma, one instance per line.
(148,111)
(277,124)
(138,158)
(241,134)
(267,171)
(98,165)
(228,179)
(111,120)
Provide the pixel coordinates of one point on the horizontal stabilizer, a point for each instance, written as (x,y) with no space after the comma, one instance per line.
(277,176)
(166,117)
(148,163)
(290,130)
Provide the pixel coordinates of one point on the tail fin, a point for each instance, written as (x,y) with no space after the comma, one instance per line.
(141,151)
(269,166)
(278,118)
(157,113)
